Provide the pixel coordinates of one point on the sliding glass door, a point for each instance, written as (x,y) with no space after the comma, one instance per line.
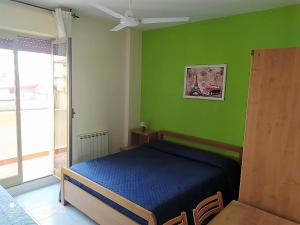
(36,106)
(10,144)
(61,102)
(34,109)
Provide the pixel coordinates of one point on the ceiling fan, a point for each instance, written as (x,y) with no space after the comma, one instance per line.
(130,20)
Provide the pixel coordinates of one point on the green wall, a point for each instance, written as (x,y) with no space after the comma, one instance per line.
(227,40)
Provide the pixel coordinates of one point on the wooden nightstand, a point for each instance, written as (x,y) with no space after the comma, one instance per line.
(138,137)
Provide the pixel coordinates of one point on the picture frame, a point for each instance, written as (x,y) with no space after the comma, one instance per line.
(205,82)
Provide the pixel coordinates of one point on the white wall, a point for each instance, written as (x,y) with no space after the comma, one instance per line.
(132,81)
(25,19)
(99,68)
(106,81)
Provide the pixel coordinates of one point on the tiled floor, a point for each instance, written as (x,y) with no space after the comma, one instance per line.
(44,207)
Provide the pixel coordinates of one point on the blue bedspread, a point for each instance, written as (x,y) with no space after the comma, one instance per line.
(162,177)
(11,213)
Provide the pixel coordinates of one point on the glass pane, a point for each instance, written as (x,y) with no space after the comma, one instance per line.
(36,96)
(60,107)
(8,124)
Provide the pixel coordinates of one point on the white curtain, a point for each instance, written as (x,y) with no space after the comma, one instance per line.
(63,22)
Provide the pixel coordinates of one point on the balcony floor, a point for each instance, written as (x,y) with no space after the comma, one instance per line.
(38,167)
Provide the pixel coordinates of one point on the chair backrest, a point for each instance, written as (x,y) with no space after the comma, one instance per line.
(207,208)
(179,220)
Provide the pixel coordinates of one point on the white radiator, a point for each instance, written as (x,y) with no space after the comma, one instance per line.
(92,145)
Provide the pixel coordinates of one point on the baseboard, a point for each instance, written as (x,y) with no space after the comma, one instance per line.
(33,185)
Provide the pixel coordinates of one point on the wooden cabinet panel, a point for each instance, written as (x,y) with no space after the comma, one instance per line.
(271,162)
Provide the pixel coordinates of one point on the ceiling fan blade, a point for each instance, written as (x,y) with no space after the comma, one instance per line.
(109,11)
(165,20)
(118,27)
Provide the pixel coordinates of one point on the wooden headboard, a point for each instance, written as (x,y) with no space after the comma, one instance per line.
(202,141)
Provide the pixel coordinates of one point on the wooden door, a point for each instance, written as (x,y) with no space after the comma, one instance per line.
(271,163)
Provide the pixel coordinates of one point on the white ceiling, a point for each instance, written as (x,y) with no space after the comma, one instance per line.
(196,9)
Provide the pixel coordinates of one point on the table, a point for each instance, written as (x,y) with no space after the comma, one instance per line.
(237,213)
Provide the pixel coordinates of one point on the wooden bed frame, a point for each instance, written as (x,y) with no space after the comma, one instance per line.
(104,214)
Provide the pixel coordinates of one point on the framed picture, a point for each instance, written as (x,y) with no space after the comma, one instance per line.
(205,82)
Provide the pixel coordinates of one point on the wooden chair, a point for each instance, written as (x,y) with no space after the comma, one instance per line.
(208,207)
(179,220)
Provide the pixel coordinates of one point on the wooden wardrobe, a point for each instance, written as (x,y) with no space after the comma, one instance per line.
(271,162)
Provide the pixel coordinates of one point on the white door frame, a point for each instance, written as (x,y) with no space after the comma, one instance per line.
(71,111)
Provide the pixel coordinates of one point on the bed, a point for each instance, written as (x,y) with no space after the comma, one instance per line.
(151,183)
(10,211)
